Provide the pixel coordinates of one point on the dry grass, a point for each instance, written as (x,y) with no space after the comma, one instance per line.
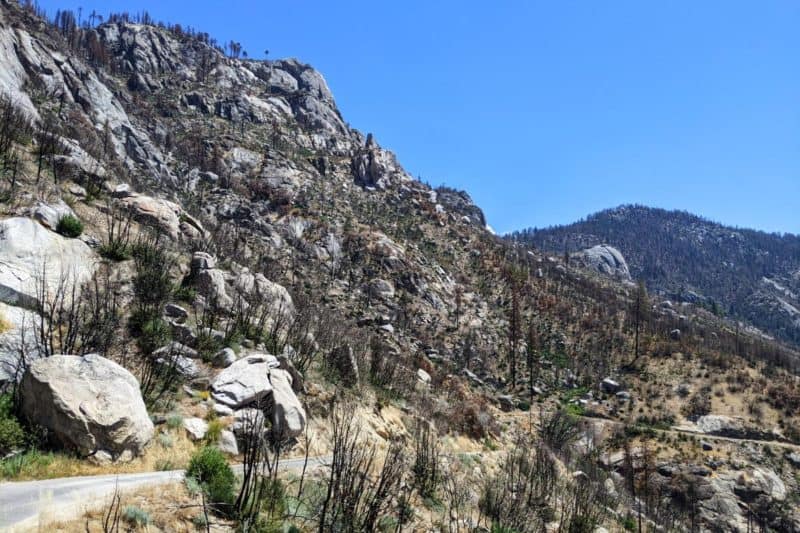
(170,506)
(5,325)
(157,456)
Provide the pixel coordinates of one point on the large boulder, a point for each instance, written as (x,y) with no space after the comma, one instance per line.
(211,284)
(288,415)
(31,255)
(274,297)
(155,212)
(719,425)
(604,259)
(244,382)
(760,481)
(49,215)
(89,403)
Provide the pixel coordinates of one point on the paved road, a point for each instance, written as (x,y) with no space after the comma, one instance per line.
(25,505)
(687,431)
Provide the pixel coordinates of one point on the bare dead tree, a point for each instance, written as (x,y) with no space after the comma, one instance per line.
(427,460)
(159,374)
(118,232)
(521,496)
(58,312)
(354,501)
(111,516)
(457,498)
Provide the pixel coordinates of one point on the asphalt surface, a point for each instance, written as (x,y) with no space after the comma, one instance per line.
(26,505)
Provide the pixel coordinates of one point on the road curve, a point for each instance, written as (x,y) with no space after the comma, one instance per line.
(26,505)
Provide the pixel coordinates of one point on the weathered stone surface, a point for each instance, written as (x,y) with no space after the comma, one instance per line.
(155,212)
(195,427)
(248,419)
(344,360)
(757,481)
(29,252)
(202,261)
(423,376)
(245,381)
(225,358)
(605,260)
(183,366)
(89,403)
(288,415)
(16,337)
(211,284)
(176,348)
(794,459)
(222,410)
(176,312)
(273,296)
(49,215)
(609,386)
(287,365)
(380,288)
(718,424)
(227,443)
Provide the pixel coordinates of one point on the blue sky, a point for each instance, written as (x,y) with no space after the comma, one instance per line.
(548,111)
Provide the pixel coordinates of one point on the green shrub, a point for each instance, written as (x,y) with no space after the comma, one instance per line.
(184,293)
(12,436)
(629,524)
(136,516)
(69,226)
(32,463)
(210,468)
(199,521)
(152,332)
(115,251)
(175,421)
(166,440)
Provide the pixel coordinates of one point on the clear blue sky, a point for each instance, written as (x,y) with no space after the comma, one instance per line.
(548,111)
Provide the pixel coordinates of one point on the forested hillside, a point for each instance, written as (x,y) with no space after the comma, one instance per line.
(746,274)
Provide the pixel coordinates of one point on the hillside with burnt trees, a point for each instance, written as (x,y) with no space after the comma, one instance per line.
(203,265)
(745,274)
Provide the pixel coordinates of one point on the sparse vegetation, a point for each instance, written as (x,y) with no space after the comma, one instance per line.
(209,467)
(136,516)
(69,226)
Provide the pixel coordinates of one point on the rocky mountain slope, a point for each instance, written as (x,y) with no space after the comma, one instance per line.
(749,275)
(212,228)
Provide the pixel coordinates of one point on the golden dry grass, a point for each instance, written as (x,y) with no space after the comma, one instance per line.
(156,456)
(170,507)
(5,325)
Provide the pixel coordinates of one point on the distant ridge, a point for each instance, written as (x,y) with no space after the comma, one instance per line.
(748,274)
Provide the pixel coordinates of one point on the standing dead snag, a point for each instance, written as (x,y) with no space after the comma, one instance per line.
(426,469)
(354,501)
(259,468)
(515,280)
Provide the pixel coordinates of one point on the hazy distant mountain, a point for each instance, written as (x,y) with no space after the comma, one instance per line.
(747,274)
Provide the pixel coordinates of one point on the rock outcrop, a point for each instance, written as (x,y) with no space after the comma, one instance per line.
(244,382)
(31,255)
(254,379)
(604,259)
(288,415)
(89,403)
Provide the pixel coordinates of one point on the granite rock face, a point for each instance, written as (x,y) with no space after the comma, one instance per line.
(31,255)
(604,259)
